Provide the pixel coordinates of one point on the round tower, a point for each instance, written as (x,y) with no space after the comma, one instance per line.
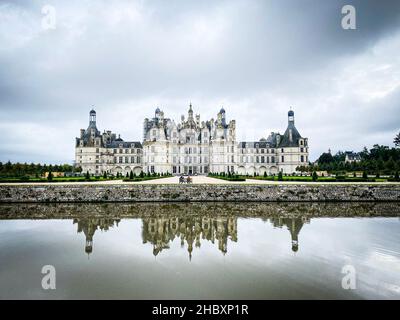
(92,116)
(291,116)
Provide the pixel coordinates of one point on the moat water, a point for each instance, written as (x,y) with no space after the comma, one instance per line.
(201,251)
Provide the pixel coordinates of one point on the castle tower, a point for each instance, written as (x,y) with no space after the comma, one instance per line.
(291,117)
(190,113)
(92,117)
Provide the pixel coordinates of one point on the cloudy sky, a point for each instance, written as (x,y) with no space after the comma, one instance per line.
(255,58)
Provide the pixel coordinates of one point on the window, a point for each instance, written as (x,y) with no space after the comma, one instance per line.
(302,159)
(301,149)
(282,150)
(283,159)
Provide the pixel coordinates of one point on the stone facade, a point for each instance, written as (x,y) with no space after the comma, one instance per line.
(200,192)
(97,152)
(190,147)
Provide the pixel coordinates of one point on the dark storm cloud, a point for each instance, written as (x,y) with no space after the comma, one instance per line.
(255,57)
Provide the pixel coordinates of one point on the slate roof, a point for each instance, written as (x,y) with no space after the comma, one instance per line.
(286,141)
(125,144)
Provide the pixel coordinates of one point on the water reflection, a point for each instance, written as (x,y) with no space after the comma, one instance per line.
(193,223)
(192,230)
(89,227)
(224,250)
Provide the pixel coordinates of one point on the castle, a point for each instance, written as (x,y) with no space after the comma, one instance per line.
(189,147)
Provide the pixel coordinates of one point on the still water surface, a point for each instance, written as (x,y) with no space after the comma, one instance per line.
(200,251)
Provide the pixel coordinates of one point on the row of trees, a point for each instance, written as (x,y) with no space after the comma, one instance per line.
(378,160)
(9,169)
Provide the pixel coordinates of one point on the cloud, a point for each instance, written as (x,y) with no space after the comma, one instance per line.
(255,58)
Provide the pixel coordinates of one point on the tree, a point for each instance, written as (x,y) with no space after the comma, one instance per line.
(396,176)
(314,176)
(131,175)
(365,176)
(280,176)
(325,158)
(87,176)
(105,175)
(396,140)
(50,176)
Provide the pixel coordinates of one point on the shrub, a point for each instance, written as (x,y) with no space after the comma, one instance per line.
(87,176)
(280,176)
(365,175)
(314,176)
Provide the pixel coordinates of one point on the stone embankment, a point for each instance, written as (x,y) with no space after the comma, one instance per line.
(199,192)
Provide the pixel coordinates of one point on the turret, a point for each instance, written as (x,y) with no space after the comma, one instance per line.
(291,117)
(190,113)
(92,117)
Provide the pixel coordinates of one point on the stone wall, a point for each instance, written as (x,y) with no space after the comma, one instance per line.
(198,209)
(185,193)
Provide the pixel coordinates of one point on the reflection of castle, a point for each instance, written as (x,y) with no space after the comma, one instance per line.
(161,231)
(89,227)
(294,224)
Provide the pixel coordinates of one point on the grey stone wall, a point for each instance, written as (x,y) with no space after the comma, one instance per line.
(185,193)
(198,209)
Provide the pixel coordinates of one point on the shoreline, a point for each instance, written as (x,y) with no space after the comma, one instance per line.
(224,192)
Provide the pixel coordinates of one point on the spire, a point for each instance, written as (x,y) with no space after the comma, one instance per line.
(92,116)
(291,116)
(190,112)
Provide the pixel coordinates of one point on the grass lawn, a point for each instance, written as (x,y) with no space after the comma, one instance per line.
(55,179)
(145,178)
